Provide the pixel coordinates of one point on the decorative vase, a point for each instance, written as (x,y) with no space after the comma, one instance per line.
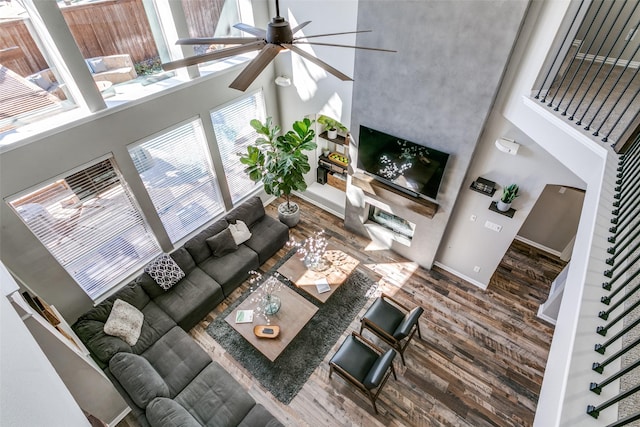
(502,206)
(289,218)
(332,133)
(314,262)
(271,304)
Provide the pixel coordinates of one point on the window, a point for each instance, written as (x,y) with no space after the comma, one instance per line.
(30,90)
(176,170)
(91,225)
(234,133)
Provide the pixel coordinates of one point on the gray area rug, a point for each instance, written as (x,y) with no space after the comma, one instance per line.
(287,374)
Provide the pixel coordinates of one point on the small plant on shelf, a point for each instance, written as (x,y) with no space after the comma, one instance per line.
(509,194)
(332,126)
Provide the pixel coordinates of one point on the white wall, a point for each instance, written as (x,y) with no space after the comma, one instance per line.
(31,392)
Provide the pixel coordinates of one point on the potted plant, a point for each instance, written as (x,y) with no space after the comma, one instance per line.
(509,193)
(332,126)
(280,163)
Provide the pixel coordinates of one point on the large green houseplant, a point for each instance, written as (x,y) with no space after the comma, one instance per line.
(280,163)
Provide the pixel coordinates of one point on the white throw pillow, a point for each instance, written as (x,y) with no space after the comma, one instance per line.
(164,271)
(125,322)
(240,232)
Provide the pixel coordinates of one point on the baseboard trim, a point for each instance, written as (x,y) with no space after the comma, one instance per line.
(609,61)
(538,246)
(474,282)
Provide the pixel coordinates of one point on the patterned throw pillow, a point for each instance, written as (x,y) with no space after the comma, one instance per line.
(125,322)
(164,271)
(240,232)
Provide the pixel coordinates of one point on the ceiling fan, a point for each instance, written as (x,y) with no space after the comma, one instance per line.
(278,36)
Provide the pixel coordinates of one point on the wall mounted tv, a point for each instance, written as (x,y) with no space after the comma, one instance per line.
(407,166)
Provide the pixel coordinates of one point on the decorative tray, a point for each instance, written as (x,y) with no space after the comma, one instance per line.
(339,159)
(266,331)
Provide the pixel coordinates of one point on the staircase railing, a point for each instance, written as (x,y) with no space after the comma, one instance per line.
(623,294)
(594,77)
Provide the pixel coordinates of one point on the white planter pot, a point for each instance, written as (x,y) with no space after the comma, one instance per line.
(502,206)
(332,133)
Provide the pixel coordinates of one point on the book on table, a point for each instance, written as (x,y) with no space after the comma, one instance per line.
(322,285)
(244,316)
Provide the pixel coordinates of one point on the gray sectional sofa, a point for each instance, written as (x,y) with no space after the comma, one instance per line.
(166,378)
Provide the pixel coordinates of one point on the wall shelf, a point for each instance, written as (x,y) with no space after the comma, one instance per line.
(373,187)
(484,186)
(340,140)
(494,208)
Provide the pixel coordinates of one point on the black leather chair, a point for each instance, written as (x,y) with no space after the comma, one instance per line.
(393,322)
(364,365)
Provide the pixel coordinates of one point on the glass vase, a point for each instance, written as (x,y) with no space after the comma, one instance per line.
(271,304)
(314,262)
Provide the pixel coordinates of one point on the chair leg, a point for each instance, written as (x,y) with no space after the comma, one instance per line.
(393,370)
(361,326)
(330,371)
(373,402)
(401,352)
(418,327)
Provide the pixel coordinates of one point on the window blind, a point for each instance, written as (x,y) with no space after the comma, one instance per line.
(90,224)
(176,170)
(234,133)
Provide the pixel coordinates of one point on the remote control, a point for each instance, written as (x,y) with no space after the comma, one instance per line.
(267,331)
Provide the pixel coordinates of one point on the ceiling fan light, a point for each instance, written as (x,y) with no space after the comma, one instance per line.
(283,81)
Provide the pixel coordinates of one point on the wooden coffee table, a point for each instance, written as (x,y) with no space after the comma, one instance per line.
(340,267)
(295,312)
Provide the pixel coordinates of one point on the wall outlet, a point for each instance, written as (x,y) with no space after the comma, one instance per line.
(476,269)
(493,226)
(473,218)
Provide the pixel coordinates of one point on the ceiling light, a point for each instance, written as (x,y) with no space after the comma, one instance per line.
(507,145)
(283,81)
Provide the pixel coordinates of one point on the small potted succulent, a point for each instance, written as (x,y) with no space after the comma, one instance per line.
(509,193)
(332,126)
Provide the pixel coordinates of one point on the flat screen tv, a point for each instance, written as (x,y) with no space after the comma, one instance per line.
(407,166)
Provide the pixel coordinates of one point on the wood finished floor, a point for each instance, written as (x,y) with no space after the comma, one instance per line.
(480,361)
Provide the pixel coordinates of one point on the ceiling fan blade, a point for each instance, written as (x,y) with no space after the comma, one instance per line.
(218,40)
(216,54)
(299,27)
(344,45)
(306,55)
(255,67)
(258,32)
(332,34)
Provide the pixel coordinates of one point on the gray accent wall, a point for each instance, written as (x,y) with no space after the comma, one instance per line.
(437,90)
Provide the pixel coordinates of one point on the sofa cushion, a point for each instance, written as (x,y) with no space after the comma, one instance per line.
(258,416)
(124,321)
(268,235)
(182,257)
(97,65)
(197,245)
(232,269)
(177,358)
(165,271)
(139,379)
(222,243)
(248,212)
(90,329)
(192,299)
(240,232)
(214,398)
(162,412)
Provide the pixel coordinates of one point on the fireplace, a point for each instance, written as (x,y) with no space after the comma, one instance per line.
(394,223)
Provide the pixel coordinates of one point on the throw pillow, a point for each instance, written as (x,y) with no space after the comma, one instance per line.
(138,377)
(164,271)
(125,322)
(41,80)
(222,243)
(98,65)
(240,232)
